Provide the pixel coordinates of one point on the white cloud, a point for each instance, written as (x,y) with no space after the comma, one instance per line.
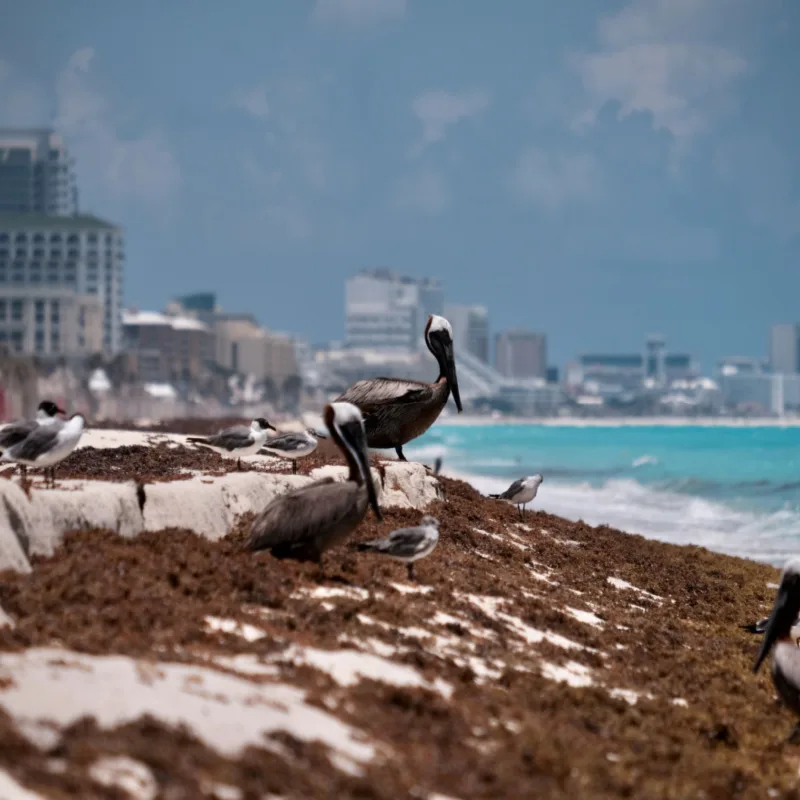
(423,192)
(252,101)
(555,180)
(357,13)
(111,167)
(437,110)
(665,57)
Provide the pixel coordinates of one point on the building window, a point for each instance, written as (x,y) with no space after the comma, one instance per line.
(21,253)
(92,238)
(16,310)
(38,253)
(21,238)
(55,341)
(16,341)
(55,254)
(4,253)
(73,253)
(54,312)
(40,341)
(39,307)
(3,309)
(3,237)
(73,238)
(55,238)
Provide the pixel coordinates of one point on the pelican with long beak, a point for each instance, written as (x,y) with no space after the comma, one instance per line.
(397,410)
(304,524)
(778,635)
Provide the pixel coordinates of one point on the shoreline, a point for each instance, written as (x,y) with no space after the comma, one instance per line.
(622,422)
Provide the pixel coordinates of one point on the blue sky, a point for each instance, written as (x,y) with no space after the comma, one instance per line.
(596,170)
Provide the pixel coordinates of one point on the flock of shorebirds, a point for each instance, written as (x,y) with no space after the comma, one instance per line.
(376,413)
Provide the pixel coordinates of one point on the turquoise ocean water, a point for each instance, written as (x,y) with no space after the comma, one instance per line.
(734,490)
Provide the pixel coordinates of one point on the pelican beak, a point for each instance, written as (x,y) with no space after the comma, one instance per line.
(450,373)
(359,442)
(783,616)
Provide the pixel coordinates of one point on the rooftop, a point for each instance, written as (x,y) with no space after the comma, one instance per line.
(23,221)
(131,317)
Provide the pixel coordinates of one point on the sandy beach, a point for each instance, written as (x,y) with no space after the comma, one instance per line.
(532,658)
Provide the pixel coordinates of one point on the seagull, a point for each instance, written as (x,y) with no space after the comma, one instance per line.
(46,445)
(778,634)
(397,410)
(305,523)
(17,431)
(240,440)
(292,445)
(521,492)
(407,544)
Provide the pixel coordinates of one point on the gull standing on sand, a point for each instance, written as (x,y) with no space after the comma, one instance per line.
(46,445)
(397,410)
(521,492)
(778,634)
(239,440)
(292,445)
(407,544)
(305,523)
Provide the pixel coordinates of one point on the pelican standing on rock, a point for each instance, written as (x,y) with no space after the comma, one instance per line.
(304,524)
(292,445)
(786,661)
(397,410)
(407,544)
(521,492)
(46,445)
(240,440)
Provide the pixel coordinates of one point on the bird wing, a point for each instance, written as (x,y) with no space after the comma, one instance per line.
(288,441)
(303,514)
(373,393)
(232,438)
(16,432)
(39,441)
(512,490)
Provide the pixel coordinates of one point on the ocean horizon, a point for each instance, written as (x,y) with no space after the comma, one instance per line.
(731,488)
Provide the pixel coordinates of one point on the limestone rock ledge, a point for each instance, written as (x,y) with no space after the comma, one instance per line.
(208,505)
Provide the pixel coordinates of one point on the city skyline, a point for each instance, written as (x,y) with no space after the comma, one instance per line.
(536,162)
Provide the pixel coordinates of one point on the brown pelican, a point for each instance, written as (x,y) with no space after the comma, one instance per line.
(397,410)
(521,492)
(778,634)
(240,440)
(305,523)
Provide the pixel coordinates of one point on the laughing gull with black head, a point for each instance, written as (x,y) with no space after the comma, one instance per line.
(237,441)
(521,492)
(407,544)
(47,445)
(292,445)
(15,432)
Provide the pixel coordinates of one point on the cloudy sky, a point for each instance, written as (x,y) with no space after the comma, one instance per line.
(594,169)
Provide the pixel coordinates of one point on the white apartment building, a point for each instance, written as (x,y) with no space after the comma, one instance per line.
(36,173)
(71,257)
(784,349)
(386,311)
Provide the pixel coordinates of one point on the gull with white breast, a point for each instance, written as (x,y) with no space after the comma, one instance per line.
(47,445)
(407,544)
(291,445)
(521,492)
(13,433)
(237,441)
